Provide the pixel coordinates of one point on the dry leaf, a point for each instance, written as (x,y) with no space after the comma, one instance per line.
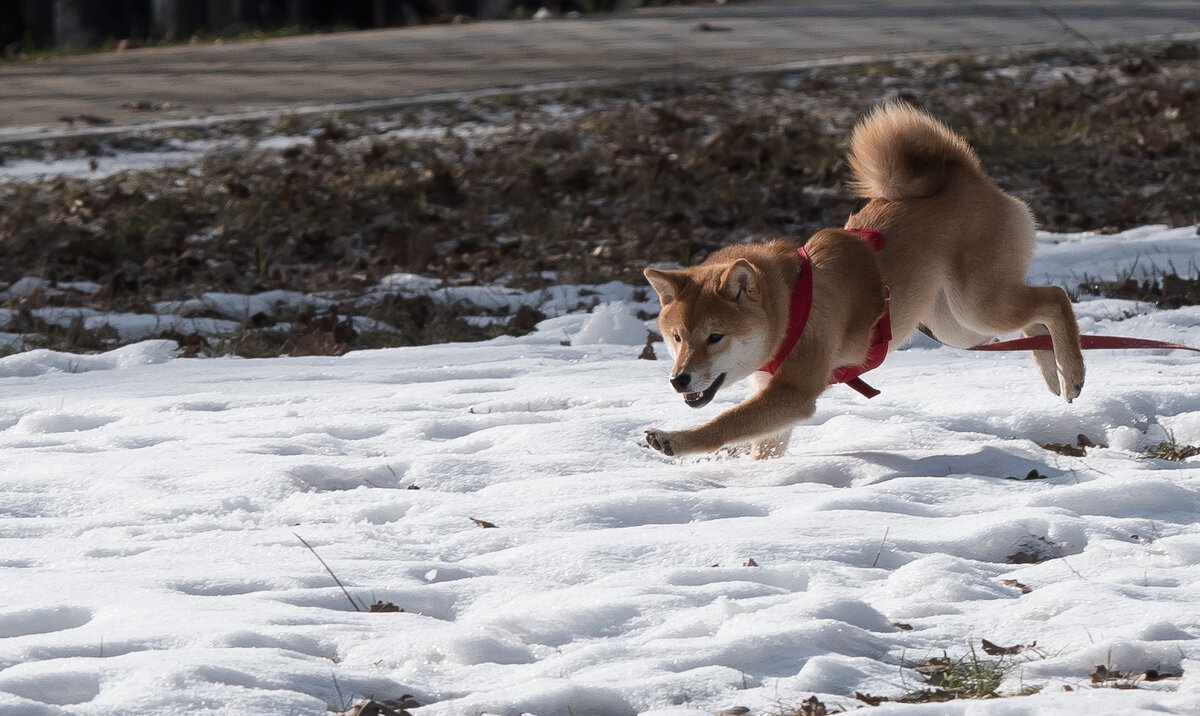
(1031,475)
(1156,675)
(868,699)
(992,650)
(1015,584)
(381,606)
(812,707)
(1102,674)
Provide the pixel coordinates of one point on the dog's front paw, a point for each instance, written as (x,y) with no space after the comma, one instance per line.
(660,441)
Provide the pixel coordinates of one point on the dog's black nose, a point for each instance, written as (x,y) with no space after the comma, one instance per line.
(681,382)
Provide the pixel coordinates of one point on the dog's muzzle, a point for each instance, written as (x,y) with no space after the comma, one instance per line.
(702,398)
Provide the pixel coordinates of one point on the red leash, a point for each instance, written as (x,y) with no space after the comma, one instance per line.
(1043,343)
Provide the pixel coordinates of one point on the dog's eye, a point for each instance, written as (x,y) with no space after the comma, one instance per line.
(677,338)
(715,338)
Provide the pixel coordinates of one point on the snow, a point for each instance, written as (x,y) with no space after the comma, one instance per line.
(218,313)
(151,510)
(101,160)
(176,153)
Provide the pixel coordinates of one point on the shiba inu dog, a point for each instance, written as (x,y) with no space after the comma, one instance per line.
(939,247)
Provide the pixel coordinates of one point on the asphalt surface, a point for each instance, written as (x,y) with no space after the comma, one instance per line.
(390,65)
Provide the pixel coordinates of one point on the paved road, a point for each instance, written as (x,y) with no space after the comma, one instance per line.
(349,67)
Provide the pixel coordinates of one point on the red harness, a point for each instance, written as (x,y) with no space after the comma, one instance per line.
(801,307)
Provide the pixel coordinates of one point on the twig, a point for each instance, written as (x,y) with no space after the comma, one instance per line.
(1073,570)
(330,571)
(881,543)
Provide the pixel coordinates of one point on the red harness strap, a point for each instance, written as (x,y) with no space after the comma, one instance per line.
(881,333)
(801,306)
(871,236)
(798,311)
(881,337)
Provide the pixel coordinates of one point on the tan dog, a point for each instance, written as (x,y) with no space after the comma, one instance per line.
(954,256)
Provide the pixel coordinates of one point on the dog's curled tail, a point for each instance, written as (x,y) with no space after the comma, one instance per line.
(900,152)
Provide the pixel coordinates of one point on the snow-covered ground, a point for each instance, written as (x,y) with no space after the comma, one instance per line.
(152,510)
(98,160)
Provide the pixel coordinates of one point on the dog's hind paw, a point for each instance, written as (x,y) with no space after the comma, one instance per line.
(1073,391)
(1072,383)
(658,440)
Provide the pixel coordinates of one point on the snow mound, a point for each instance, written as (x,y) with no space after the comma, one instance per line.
(611,324)
(43,361)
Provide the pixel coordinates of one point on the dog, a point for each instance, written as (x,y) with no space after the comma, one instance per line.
(938,247)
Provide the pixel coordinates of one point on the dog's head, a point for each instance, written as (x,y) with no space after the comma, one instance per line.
(714,325)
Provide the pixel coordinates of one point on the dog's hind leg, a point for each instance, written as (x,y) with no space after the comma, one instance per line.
(1044,359)
(1031,310)
(947,329)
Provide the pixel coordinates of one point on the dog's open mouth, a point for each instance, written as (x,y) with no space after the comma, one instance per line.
(701,399)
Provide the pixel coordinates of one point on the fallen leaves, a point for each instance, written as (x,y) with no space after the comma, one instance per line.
(1079,449)
(1106,676)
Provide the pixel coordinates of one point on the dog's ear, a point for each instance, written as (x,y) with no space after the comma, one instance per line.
(740,281)
(667,284)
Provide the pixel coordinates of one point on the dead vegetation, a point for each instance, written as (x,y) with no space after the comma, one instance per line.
(580,187)
(1171,449)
